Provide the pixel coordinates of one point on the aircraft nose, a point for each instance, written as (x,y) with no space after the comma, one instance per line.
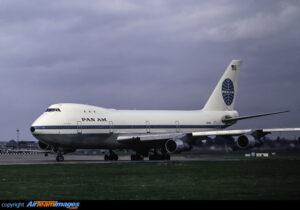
(39,121)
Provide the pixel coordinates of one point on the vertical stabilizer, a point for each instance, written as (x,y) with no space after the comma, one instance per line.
(224,95)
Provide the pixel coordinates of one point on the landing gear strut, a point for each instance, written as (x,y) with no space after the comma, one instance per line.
(111,156)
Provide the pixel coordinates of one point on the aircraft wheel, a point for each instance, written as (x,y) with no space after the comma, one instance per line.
(167,157)
(116,157)
(106,158)
(62,158)
(159,157)
(133,157)
(137,157)
(59,158)
(112,156)
(153,157)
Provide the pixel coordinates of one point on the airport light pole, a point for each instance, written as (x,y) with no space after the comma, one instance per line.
(18,136)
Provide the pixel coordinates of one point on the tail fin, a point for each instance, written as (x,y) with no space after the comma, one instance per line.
(224,95)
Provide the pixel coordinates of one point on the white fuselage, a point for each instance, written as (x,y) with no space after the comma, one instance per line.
(85,126)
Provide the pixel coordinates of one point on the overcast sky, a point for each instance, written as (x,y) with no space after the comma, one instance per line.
(146,54)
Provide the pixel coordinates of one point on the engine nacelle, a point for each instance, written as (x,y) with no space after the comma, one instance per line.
(245,142)
(44,146)
(177,146)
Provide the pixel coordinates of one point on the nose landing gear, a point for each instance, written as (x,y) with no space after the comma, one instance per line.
(60,156)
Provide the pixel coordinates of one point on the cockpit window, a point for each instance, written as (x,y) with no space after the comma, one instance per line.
(53,110)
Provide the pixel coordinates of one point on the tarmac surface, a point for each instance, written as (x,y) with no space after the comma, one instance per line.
(30,159)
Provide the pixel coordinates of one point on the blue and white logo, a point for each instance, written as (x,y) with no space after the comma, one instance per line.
(228,91)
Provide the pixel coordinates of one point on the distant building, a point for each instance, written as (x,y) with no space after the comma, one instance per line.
(2,145)
(12,144)
(27,145)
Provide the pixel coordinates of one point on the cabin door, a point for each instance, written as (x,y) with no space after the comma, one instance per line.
(79,127)
(111,127)
(147,127)
(177,126)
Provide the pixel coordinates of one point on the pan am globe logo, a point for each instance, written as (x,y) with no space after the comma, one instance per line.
(228,91)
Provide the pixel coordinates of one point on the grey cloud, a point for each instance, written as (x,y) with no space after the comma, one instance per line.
(146,55)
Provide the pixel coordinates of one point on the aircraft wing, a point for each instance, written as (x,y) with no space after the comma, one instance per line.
(147,137)
(161,137)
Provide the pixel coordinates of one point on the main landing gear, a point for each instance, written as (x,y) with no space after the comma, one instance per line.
(137,157)
(111,156)
(157,156)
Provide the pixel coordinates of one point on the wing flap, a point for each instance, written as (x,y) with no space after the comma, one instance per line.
(223,132)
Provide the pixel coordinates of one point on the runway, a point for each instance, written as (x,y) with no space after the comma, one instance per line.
(32,159)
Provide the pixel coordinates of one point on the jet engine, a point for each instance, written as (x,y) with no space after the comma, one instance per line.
(245,142)
(177,146)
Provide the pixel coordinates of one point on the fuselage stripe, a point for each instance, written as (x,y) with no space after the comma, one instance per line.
(127,126)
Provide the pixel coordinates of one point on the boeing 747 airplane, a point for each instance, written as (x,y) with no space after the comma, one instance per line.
(66,127)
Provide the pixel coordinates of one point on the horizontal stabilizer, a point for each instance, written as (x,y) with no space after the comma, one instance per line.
(229,120)
(261,132)
(270,130)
